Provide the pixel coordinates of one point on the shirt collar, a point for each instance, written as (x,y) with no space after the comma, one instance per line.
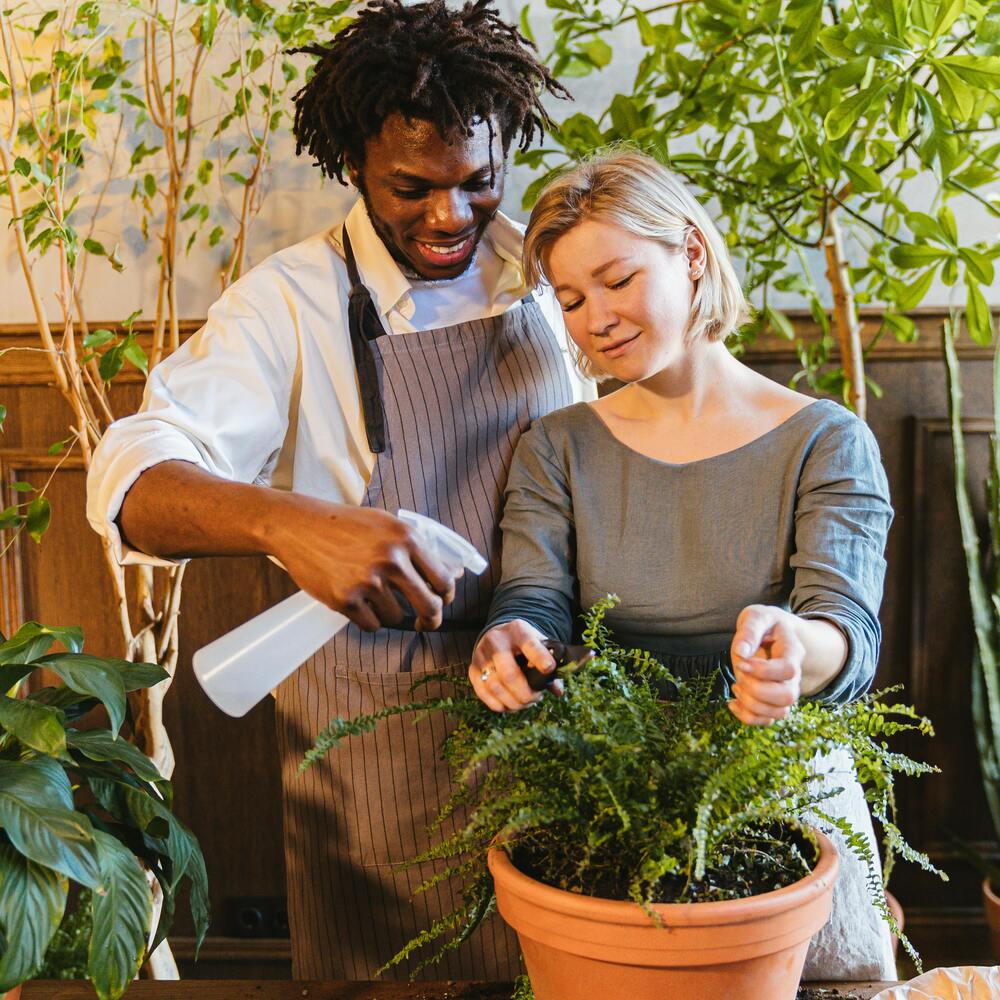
(385,280)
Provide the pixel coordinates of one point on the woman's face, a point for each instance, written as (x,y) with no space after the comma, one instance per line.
(625,299)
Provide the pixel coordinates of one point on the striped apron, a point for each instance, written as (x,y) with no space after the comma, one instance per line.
(443,412)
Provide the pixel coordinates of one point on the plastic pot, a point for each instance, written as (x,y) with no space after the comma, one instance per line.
(581,947)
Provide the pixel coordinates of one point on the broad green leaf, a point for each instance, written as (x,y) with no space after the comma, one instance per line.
(90,675)
(104,81)
(979,264)
(38,516)
(977,71)
(938,143)
(37,780)
(832,40)
(32,901)
(913,255)
(957,98)
(978,320)
(133,352)
(111,362)
(840,119)
(37,726)
(122,916)
(102,746)
(33,640)
(60,839)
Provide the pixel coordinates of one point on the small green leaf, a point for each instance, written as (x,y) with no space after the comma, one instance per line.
(957,98)
(47,18)
(978,320)
(598,52)
(22,487)
(92,246)
(840,119)
(104,81)
(902,327)
(913,255)
(33,640)
(3,415)
(948,225)
(215,235)
(982,72)
(97,338)
(149,185)
(38,517)
(979,264)
(134,353)
(525,24)
(111,362)
(901,108)
(864,179)
(779,323)
(22,166)
(913,294)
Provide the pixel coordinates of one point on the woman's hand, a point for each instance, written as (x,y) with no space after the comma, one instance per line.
(497,679)
(767,657)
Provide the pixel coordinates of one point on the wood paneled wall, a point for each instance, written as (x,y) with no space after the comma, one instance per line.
(226,780)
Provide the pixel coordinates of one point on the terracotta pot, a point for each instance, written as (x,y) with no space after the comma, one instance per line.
(991,903)
(14,994)
(580,947)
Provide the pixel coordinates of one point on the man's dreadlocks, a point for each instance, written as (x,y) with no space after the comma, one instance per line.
(449,67)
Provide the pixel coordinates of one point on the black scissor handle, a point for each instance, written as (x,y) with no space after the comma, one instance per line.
(564,655)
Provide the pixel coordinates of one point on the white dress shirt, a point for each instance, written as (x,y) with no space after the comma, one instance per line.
(266,391)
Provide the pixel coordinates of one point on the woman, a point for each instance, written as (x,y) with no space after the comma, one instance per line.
(742,524)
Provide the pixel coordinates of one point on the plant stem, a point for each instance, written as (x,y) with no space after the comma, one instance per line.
(845,314)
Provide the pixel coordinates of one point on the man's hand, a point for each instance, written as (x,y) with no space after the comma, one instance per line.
(359,561)
(497,679)
(767,657)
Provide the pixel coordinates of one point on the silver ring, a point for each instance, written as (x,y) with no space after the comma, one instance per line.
(485,675)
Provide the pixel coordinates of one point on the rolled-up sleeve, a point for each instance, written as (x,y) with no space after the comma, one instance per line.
(220,402)
(538,565)
(842,520)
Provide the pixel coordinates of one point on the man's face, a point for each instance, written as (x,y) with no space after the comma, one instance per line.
(430,200)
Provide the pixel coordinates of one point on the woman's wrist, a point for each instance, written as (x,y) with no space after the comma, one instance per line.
(827,649)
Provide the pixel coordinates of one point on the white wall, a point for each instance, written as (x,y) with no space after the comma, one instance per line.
(298,204)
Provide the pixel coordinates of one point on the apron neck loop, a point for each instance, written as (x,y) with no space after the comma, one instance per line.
(365,327)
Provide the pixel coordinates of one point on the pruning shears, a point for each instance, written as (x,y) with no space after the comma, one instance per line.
(568,659)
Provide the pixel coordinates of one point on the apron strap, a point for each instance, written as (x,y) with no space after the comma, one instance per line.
(365,327)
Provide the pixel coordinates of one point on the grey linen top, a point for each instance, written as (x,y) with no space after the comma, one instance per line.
(796,518)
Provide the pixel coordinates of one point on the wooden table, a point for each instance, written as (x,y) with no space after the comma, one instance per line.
(237,989)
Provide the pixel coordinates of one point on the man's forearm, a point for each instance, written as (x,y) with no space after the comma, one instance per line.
(176,509)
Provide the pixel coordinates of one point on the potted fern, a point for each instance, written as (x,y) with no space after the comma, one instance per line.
(87,807)
(596,820)
(984,599)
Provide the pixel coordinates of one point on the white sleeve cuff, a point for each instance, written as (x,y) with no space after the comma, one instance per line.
(113,475)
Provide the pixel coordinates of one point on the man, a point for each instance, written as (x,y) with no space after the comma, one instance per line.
(390,363)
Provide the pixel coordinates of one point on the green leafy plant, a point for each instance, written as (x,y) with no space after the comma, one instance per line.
(83,806)
(984,590)
(828,135)
(636,785)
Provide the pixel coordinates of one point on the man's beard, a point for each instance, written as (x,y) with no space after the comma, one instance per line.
(404,262)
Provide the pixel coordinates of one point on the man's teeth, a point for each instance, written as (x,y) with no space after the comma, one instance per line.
(436,248)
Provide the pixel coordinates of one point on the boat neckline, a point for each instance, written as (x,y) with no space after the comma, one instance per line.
(708,458)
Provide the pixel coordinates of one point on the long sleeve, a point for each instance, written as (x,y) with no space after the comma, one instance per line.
(221,402)
(842,520)
(538,565)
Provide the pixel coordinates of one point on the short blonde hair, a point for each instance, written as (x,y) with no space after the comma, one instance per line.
(632,190)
